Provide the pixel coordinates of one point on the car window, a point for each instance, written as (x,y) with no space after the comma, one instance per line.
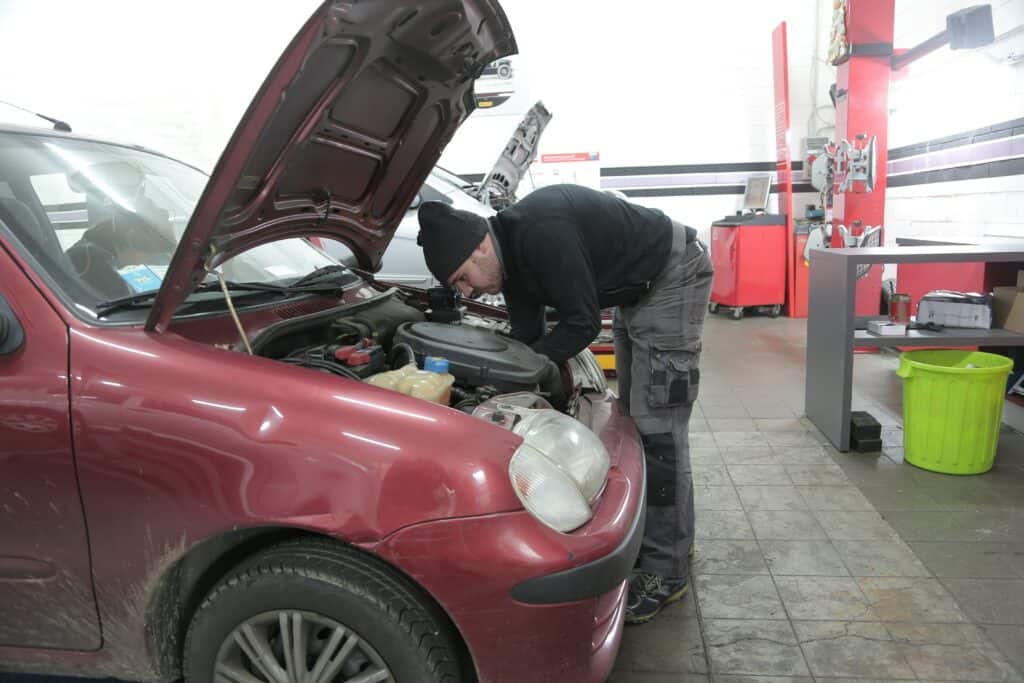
(65,208)
(104,221)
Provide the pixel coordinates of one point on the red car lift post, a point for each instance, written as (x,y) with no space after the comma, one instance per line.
(862,108)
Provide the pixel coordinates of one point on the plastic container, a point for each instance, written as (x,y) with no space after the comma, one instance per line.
(424,384)
(952,409)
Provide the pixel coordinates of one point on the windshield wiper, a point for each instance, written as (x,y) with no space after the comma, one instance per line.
(104,307)
(331,272)
(133,300)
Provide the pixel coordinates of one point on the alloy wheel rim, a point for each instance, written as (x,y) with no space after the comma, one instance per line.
(293,646)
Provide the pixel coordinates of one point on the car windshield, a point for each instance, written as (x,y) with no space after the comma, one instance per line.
(104,220)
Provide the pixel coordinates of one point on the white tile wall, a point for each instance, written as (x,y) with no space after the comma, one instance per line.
(946,93)
(968,210)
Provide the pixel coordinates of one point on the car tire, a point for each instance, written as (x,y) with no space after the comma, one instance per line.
(325,598)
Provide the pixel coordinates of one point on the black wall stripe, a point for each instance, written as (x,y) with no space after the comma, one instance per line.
(736,167)
(704,190)
(994,169)
(996,131)
(991,169)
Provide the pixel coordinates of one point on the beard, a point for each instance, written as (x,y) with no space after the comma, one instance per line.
(490,269)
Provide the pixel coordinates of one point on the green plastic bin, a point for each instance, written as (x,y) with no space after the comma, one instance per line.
(952,409)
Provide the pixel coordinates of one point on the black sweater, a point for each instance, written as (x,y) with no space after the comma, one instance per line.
(576,250)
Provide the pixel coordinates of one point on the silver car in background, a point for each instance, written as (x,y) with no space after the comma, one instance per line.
(403,262)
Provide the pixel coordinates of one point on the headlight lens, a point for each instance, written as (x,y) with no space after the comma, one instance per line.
(559,470)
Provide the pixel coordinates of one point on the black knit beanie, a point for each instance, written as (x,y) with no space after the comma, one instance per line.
(448,237)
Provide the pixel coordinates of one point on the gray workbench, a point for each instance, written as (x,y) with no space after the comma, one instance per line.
(832,327)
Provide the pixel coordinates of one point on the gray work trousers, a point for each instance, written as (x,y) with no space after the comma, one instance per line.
(657,356)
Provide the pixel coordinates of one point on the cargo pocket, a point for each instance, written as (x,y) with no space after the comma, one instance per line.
(660,452)
(675,377)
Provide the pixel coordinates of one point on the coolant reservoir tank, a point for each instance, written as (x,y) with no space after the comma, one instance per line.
(426,384)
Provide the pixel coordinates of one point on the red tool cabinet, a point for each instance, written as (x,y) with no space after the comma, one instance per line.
(749,256)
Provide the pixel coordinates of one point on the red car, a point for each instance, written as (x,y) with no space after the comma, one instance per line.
(195,480)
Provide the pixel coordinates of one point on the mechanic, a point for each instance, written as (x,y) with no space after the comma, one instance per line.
(579,250)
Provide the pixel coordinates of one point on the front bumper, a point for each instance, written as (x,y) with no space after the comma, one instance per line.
(530,603)
(594,578)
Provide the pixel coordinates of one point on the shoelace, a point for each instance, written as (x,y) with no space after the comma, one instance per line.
(647,583)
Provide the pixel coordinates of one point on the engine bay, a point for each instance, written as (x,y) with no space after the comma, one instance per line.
(392,331)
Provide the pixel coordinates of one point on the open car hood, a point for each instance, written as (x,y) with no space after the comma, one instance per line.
(498,189)
(342,133)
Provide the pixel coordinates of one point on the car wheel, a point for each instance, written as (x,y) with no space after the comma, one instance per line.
(316,612)
(505,72)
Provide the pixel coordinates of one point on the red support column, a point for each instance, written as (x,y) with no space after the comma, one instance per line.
(783,165)
(862,107)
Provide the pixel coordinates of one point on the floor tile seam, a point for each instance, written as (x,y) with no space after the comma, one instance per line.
(986,640)
(846,634)
(785,609)
(768,564)
(942,582)
(860,589)
(900,537)
(700,623)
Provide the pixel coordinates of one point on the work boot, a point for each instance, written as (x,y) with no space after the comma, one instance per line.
(649,593)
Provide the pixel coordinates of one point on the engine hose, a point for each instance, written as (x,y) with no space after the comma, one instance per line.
(328,366)
(466,406)
(399,349)
(460,395)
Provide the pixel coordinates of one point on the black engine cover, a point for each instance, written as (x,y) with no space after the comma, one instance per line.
(476,356)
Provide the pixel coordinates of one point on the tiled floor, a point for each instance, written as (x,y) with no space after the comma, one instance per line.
(817,565)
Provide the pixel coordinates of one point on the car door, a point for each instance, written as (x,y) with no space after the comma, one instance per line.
(46,595)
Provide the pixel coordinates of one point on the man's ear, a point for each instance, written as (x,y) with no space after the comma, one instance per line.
(485,247)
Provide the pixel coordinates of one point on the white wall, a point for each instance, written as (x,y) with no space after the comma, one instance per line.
(657,82)
(664,82)
(660,82)
(951,92)
(648,83)
(172,76)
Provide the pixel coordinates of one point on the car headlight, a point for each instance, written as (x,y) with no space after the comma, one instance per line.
(559,470)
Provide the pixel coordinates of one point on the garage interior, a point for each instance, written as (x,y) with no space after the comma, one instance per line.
(851,164)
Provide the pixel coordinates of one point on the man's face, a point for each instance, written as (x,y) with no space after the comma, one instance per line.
(479,274)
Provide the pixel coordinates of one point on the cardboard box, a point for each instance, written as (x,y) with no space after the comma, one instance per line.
(1008,306)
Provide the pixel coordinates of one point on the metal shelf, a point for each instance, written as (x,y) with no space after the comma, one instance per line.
(957,337)
(832,332)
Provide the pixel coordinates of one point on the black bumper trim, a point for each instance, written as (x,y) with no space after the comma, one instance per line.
(593,578)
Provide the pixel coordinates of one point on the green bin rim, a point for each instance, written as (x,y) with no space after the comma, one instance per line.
(1004,366)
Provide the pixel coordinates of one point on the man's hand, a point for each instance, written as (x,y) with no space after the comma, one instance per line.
(552,385)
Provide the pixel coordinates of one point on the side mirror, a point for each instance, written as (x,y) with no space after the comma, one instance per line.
(12,336)
(416,201)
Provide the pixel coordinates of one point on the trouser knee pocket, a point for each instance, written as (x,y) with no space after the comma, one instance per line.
(660,453)
(675,377)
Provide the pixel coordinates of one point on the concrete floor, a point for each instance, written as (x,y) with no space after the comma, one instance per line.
(817,565)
